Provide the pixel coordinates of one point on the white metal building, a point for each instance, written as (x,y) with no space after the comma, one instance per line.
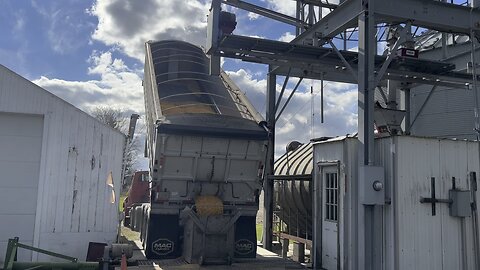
(415,234)
(445,111)
(54,163)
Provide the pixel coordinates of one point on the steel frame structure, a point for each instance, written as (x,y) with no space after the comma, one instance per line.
(306,56)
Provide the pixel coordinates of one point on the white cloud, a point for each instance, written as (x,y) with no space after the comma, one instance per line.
(289,7)
(129,24)
(253,16)
(283,6)
(340,112)
(118,86)
(19,25)
(253,89)
(64,26)
(287,37)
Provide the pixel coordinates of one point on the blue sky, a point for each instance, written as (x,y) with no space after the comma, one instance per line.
(90,53)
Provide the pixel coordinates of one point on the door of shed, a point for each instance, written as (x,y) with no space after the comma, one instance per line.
(20,151)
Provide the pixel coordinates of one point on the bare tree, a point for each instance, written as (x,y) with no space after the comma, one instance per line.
(119,120)
(111,117)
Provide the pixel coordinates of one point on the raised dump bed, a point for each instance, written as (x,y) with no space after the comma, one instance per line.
(206,148)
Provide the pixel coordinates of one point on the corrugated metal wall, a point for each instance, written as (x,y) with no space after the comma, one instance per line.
(425,241)
(449,113)
(413,238)
(78,153)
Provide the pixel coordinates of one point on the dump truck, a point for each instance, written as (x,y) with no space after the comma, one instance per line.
(206,146)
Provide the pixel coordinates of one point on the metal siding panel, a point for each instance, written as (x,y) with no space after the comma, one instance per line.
(384,157)
(418,231)
(472,166)
(86,167)
(117,174)
(446,125)
(60,169)
(441,115)
(102,181)
(60,182)
(108,217)
(78,178)
(93,182)
(443,100)
(70,174)
(107,166)
(453,163)
(52,160)
(42,187)
(347,231)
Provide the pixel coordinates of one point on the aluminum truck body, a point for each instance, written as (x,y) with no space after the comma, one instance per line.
(206,151)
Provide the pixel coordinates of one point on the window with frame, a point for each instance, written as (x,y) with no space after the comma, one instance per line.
(331,197)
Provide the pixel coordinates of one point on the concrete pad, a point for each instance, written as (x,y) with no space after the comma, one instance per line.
(265,260)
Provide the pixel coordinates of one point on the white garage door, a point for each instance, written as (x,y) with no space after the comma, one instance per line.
(20,150)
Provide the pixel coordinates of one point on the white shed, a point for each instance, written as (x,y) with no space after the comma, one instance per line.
(416,233)
(54,163)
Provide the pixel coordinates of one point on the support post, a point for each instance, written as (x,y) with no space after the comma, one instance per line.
(285,244)
(268,180)
(366,239)
(299,252)
(299,8)
(408,110)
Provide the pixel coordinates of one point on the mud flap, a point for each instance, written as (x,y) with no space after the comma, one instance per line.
(245,237)
(163,238)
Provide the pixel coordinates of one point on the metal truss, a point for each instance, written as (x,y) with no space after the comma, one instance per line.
(313,54)
(440,16)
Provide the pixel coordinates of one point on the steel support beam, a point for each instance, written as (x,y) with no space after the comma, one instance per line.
(344,61)
(443,17)
(391,55)
(266,12)
(320,3)
(269,164)
(343,17)
(309,62)
(288,99)
(440,16)
(365,238)
(283,90)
